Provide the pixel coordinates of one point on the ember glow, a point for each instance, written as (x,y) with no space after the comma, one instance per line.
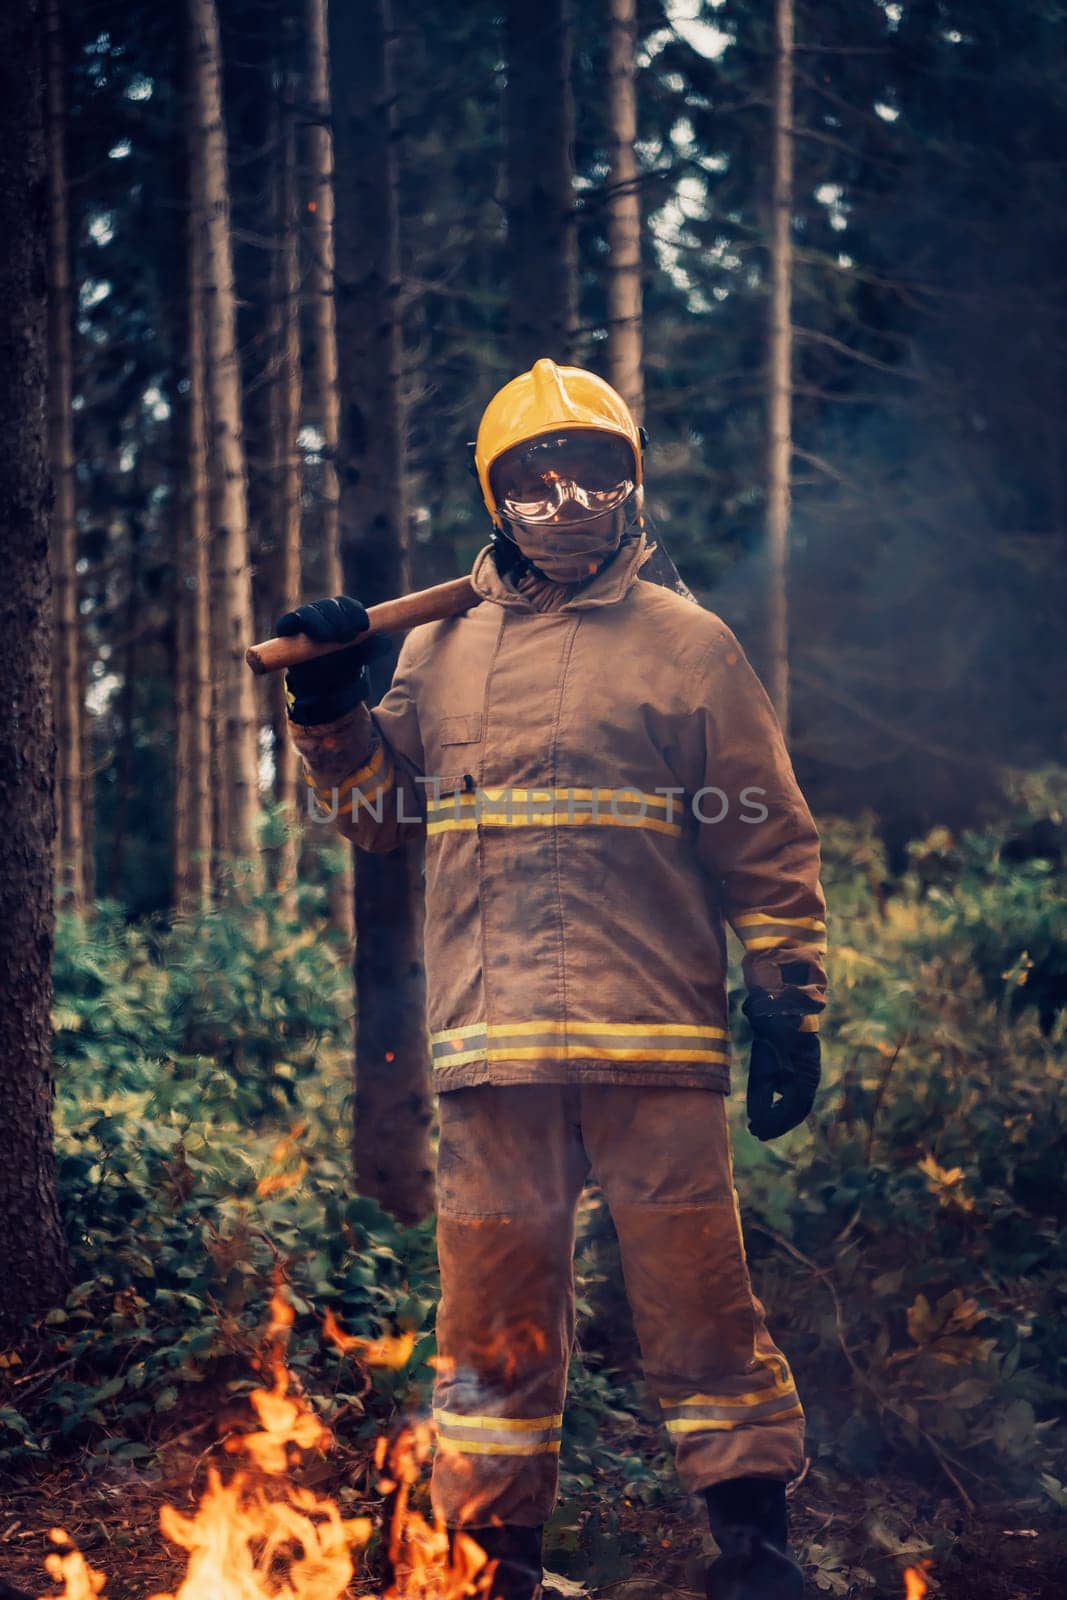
(256,1535)
(915,1585)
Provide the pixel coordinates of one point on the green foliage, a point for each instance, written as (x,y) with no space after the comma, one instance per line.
(203,1085)
(911,1237)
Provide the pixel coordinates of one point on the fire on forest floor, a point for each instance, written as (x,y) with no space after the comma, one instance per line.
(256,1534)
(309,1541)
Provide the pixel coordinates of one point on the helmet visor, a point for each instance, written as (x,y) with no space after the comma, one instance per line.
(564,478)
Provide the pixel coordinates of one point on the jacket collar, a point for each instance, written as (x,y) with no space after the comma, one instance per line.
(610,585)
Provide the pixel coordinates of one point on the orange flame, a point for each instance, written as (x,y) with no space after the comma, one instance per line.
(284,1149)
(915,1585)
(258,1536)
(391,1350)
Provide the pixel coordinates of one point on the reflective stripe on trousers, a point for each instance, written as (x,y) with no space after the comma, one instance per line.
(511,1165)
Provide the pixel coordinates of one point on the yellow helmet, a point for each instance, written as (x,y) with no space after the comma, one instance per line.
(541,401)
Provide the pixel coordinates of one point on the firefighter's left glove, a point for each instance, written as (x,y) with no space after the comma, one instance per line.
(324,689)
(785,1062)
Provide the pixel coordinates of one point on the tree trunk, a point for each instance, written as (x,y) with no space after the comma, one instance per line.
(194,831)
(624,213)
(69,696)
(231,589)
(326,559)
(124,775)
(33,1263)
(539,128)
(284,413)
(322,557)
(392,1116)
(780,367)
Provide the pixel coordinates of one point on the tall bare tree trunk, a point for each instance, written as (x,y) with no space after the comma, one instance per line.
(231,588)
(284,414)
(33,1262)
(327,397)
(194,809)
(69,695)
(625,371)
(322,562)
(127,707)
(780,369)
(539,126)
(392,1114)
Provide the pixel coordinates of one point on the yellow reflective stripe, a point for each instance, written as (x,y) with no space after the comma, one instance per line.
(809,1024)
(505,796)
(660,1029)
(763,919)
(582,1052)
(480,1447)
(663,1030)
(754,1397)
(775,941)
(463,1058)
(576,1041)
(357,779)
(715,1425)
(449,815)
(501,1424)
(547,819)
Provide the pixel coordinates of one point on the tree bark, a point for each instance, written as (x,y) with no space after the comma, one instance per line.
(124,775)
(624,213)
(33,1263)
(322,548)
(539,130)
(69,689)
(326,558)
(231,588)
(194,830)
(284,412)
(392,1115)
(780,368)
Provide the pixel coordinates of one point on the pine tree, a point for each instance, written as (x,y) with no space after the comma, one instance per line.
(194,838)
(284,417)
(392,1115)
(322,543)
(33,1265)
(623,267)
(71,790)
(780,369)
(236,716)
(539,119)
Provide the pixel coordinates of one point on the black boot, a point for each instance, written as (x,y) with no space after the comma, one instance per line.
(517,1552)
(750,1526)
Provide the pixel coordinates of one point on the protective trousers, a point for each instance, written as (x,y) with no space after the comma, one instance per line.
(512,1161)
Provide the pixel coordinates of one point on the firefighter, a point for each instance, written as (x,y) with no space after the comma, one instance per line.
(601,781)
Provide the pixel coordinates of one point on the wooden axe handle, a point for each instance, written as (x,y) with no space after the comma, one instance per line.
(392,616)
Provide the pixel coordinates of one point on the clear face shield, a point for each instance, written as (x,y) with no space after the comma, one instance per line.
(565,479)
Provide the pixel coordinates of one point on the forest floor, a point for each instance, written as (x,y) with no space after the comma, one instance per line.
(113,1518)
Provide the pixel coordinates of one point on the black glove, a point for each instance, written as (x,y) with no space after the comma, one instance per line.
(324,689)
(784,1061)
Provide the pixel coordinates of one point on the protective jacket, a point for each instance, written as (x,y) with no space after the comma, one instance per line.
(601,783)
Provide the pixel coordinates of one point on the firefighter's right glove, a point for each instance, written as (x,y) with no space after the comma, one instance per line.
(785,1062)
(323,690)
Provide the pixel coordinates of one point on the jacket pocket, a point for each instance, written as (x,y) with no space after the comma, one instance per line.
(460,730)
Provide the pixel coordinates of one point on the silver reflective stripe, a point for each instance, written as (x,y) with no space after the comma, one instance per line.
(513,1436)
